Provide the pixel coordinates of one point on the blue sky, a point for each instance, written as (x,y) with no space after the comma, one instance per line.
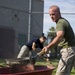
(66,6)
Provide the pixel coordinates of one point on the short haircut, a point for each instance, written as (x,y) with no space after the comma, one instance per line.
(56,7)
(43,36)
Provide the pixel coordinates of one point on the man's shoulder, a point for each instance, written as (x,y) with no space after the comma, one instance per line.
(35,39)
(63,20)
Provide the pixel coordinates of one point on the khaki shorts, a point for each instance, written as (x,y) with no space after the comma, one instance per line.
(66,61)
(24,52)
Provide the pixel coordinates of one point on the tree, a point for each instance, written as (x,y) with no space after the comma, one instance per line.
(51,35)
(52,32)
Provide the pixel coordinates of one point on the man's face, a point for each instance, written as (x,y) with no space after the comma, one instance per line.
(54,15)
(42,40)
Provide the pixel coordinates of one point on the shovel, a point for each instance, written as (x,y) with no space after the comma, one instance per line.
(40,55)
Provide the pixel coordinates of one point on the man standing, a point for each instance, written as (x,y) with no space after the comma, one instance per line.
(63,32)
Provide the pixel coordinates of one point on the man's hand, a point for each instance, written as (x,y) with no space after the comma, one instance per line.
(45,49)
(41,52)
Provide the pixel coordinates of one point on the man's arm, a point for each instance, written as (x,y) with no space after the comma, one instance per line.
(34,46)
(55,41)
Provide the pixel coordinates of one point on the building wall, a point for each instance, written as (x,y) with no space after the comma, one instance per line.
(14,15)
(37,18)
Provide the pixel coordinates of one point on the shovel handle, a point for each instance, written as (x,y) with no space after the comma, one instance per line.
(42,52)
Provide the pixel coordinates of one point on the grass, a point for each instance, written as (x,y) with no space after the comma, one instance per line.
(53,62)
(2,63)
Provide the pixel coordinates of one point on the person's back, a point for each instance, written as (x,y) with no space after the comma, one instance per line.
(37,42)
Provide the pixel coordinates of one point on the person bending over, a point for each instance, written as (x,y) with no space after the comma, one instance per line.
(31,45)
